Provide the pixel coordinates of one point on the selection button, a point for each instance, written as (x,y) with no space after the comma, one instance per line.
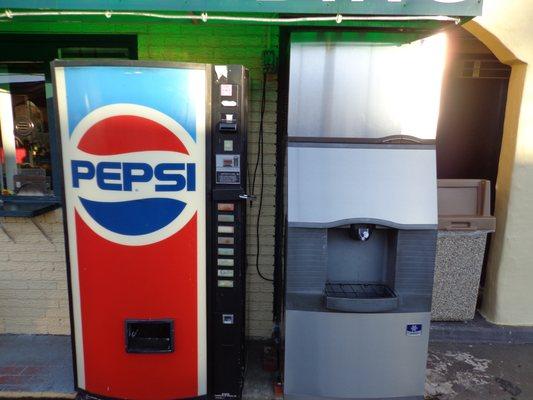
(225,262)
(225,251)
(225,206)
(226,240)
(226,229)
(226,218)
(225,273)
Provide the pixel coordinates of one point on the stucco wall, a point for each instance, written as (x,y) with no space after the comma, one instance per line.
(506,29)
(28,276)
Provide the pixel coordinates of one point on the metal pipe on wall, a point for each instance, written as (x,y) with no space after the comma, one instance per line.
(8,138)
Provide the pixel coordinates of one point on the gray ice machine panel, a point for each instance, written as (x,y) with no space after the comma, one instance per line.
(355,356)
(307,260)
(331,185)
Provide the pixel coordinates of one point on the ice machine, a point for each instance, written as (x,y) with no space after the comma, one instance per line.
(154,167)
(362,217)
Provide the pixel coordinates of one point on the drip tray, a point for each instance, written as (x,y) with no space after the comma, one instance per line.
(360,297)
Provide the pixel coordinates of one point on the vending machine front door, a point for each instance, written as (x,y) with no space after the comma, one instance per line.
(133,146)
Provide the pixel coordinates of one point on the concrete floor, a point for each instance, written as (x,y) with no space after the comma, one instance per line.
(35,363)
(461,371)
(458,371)
(480,371)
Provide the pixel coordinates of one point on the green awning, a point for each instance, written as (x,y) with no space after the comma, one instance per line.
(455,8)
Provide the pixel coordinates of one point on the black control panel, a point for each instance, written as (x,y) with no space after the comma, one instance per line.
(229,110)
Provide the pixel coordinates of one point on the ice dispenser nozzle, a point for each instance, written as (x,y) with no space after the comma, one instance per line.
(361,232)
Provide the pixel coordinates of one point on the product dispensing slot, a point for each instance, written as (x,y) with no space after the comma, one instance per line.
(149,336)
(227,126)
(359,269)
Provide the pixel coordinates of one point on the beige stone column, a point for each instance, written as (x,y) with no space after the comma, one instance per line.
(506,29)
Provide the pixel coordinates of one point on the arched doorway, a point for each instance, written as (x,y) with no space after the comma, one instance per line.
(507,292)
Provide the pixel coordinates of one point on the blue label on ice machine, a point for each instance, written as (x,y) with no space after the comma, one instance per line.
(413,330)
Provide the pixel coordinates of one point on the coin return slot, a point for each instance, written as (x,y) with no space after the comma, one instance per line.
(149,336)
(227,127)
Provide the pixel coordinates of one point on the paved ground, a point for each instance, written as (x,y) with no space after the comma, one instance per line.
(35,363)
(458,371)
(480,372)
(258,382)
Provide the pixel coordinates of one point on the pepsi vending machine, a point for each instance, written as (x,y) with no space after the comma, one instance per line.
(154,173)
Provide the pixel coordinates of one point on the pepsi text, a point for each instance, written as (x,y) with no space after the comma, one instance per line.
(125,176)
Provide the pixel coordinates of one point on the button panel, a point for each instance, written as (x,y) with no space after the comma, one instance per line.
(229,124)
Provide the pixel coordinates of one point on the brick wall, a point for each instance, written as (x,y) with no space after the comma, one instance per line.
(32,269)
(33,284)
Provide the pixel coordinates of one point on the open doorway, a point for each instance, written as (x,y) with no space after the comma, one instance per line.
(474,95)
(472,114)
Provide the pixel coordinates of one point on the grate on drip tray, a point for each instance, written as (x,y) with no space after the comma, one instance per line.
(359,291)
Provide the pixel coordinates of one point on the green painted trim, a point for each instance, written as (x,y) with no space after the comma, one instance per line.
(366,7)
(364,37)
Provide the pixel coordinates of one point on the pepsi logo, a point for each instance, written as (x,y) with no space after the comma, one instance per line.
(133,173)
